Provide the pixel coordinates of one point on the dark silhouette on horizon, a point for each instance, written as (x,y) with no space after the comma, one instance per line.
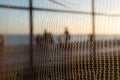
(67,35)
(45,38)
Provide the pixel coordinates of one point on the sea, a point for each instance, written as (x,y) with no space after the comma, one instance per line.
(25,40)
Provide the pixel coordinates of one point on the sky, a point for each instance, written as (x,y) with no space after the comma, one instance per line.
(17,21)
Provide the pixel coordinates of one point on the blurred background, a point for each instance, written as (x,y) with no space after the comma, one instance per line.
(59,39)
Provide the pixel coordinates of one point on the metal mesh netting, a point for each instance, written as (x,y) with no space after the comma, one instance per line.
(73,61)
(59,40)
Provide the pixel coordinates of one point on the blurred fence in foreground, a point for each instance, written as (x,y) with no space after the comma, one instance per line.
(83,60)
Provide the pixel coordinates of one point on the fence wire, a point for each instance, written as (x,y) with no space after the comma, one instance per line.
(63,59)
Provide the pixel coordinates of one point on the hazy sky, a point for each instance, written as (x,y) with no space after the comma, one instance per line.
(17,21)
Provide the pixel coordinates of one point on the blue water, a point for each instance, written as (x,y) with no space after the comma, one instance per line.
(17,40)
(24,39)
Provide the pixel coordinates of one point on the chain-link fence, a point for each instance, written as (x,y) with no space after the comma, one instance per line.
(59,42)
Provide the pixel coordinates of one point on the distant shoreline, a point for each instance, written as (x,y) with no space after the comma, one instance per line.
(24,39)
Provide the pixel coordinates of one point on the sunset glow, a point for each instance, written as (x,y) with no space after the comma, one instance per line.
(17,22)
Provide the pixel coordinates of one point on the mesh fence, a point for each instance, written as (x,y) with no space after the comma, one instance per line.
(59,40)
